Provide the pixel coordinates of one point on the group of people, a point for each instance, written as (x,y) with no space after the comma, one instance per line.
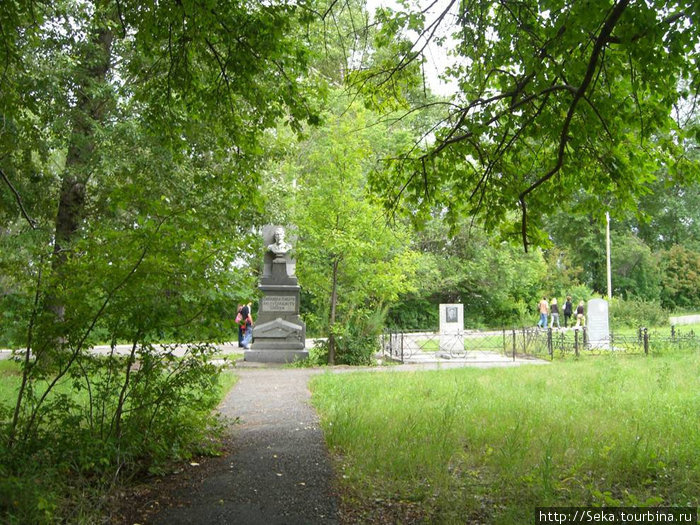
(545,308)
(244,320)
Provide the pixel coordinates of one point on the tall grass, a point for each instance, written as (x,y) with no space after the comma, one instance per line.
(488,446)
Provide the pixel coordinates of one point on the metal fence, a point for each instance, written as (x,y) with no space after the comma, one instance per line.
(549,343)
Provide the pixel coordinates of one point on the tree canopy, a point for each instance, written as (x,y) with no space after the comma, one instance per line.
(554,98)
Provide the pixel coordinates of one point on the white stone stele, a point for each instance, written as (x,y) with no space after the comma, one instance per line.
(451,326)
(597,322)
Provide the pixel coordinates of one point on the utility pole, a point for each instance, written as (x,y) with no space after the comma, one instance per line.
(607,249)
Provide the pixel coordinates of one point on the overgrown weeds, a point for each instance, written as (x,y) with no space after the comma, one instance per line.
(491,445)
(68,442)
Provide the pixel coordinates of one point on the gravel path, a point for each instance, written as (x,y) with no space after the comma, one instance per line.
(279,471)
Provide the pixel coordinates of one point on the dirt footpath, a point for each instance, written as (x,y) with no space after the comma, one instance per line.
(279,471)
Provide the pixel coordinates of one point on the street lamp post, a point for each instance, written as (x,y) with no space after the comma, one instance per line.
(607,249)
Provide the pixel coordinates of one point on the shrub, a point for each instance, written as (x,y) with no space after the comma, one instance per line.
(356,350)
(358,341)
(579,293)
(106,420)
(633,313)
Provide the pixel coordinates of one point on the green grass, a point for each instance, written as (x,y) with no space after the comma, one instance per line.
(227,380)
(488,446)
(11,377)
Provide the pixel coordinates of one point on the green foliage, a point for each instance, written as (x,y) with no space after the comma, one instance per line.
(668,215)
(635,270)
(583,238)
(414,312)
(633,313)
(350,262)
(128,132)
(681,279)
(497,283)
(358,342)
(318,356)
(107,420)
(562,273)
(555,99)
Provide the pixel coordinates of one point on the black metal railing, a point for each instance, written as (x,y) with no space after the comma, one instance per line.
(528,342)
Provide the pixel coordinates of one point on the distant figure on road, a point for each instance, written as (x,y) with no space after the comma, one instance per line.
(239,318)
(580,317)
(246,326)
(543,308)
(568,310)
(555,313)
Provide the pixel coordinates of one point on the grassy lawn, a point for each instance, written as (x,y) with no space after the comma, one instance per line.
(488,446)
(11,377)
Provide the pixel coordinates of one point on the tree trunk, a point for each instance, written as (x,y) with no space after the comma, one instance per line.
(93,101)
(334,300)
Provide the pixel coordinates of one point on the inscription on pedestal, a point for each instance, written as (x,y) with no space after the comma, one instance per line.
(279,303)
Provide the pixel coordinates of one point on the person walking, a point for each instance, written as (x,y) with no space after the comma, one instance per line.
(555,313)
(246,325)
(568,310)
(543,308)
(580,317)
(239,318)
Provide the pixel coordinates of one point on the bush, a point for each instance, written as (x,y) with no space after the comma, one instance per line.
(356,350)
(578,293)
(108,419)
(633,313)
(318,356)
(348,351)
(358,341)
(414,313)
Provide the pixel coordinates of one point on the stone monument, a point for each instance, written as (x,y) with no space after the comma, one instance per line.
(451,326)
(279,335)
(597,324)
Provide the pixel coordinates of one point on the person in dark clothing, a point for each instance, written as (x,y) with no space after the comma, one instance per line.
(238,325)
(246,326)
(568,310)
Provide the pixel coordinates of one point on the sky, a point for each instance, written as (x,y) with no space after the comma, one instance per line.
(437,58)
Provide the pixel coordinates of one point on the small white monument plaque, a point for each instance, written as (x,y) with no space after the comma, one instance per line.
(451,326)
(597,324)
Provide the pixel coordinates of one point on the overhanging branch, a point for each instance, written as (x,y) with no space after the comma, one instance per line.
(18,198)
(601,41)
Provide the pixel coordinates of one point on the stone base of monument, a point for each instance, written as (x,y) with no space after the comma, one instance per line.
(275,355)
(277,341)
